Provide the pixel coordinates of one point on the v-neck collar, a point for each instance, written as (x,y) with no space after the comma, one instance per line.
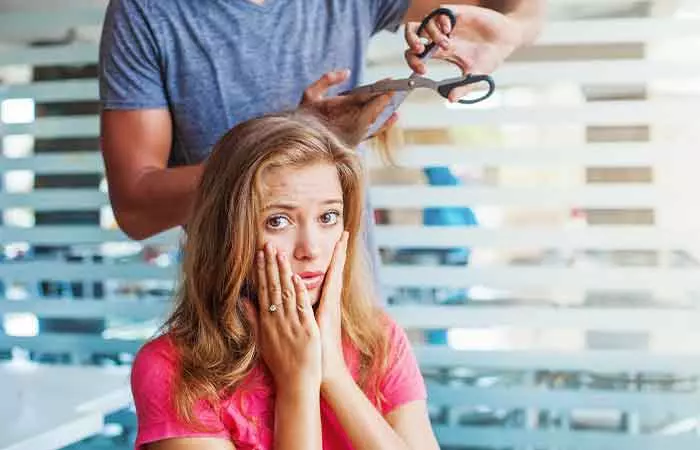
(266,6)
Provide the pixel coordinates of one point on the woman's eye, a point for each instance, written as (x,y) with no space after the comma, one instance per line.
(277,222)
(330,218)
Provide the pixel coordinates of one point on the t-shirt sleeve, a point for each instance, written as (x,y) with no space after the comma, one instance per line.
(387,14)
(152,381)
(129,69)
(402,382)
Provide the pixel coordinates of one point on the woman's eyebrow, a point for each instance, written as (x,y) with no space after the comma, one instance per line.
(285,206)
(293,206)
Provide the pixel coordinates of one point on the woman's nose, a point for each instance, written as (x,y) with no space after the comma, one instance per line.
(307,245)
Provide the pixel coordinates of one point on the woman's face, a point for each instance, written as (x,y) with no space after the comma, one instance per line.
(302,216)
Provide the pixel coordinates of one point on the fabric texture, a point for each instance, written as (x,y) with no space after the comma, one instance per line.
(247,416)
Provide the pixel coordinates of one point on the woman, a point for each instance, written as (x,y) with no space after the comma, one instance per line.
(275,341)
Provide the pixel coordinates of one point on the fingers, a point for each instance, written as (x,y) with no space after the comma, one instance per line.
(263,298)
(339,256)
(444,24)
(414,43)
(317,90)
(458,93)
(304,307)
(289,299)
(272,276)
(414,62)
(334,283)
(437,31)
(350,116)
(434,32)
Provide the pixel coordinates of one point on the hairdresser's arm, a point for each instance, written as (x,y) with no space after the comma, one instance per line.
(147,197)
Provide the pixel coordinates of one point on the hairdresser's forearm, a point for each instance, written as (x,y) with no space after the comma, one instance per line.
(298,420)
(364,425)
(157,200)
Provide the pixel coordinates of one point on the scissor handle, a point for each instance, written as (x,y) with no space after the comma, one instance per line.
(446,88)
(438,12)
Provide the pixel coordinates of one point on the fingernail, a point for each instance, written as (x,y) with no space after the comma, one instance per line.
(281,256)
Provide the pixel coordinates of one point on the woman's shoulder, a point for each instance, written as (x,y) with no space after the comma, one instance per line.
(155,359)
(391,329)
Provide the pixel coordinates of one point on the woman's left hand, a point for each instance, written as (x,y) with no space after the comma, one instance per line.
(328,316)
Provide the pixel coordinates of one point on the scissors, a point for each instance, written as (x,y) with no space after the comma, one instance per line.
(403,87)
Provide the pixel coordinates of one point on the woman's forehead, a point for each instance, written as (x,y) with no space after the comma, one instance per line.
(316,183)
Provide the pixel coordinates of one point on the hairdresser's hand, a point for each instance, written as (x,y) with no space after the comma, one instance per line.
(481,40)
(288,336)
(350,116)
(328,316)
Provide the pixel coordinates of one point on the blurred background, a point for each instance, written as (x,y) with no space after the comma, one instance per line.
(541,247)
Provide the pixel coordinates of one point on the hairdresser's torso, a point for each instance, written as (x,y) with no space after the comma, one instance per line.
(226,61)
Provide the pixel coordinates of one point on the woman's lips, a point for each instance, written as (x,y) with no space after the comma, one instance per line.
(312,280)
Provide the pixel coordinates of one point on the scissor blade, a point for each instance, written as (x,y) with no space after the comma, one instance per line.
(382,86)
(399,96)
(430,54)
(390,109)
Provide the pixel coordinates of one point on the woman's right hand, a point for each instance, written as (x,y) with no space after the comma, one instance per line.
(288,337)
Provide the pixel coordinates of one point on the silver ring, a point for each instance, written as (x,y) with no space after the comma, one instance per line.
(272,308)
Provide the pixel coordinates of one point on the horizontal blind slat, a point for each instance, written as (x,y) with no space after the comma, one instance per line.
(528,277)
(610,196)
(79,235)
(59,163)
(591,155)
(499,437)
(72,54)
(53,91)
(596,361)
(539,397)
(547,317)
(604,113)
(57,127)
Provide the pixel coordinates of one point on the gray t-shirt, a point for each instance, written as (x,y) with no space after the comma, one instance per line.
(215,63)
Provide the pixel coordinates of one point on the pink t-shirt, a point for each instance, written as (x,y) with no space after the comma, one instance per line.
(247,416)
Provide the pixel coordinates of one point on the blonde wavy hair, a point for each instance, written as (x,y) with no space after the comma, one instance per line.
(214,340)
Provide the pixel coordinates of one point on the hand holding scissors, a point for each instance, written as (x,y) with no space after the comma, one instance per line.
(402,87)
